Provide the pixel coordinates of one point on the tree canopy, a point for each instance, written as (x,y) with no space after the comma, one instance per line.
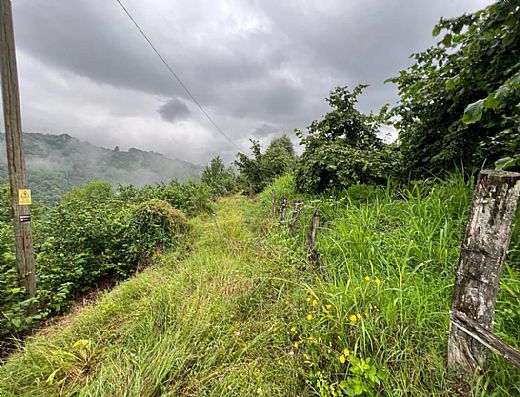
(343,148)
(459,102)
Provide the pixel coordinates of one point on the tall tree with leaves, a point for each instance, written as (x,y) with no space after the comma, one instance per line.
(459,103)
(262,168)
(218,178)
(343,148)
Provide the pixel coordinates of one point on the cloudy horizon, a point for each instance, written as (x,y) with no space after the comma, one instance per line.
(260,68)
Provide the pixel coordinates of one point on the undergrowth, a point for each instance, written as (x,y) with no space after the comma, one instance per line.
(244,313)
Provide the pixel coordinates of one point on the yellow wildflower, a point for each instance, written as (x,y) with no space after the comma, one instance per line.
(358,315)
(328,307)
(367,278)
(309,299)
(293,329)
(296,344)
(353,318)
(315,302)
(280,362)
(310,317)
(342,359)
(378,281)
(346,352)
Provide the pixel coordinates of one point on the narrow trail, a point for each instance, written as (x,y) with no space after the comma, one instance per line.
(209,324)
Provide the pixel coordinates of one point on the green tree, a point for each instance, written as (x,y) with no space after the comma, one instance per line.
(220,180)
(459,103)
(262,168)
(343,148)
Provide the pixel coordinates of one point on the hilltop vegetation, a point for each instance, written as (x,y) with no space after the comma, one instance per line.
(57,163)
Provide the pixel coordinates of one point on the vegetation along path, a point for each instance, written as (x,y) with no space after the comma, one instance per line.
(242,312)
(211,324)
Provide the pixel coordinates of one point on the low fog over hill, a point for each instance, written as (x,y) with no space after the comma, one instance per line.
(56,163)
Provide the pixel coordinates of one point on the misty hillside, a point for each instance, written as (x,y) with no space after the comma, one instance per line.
(56,163)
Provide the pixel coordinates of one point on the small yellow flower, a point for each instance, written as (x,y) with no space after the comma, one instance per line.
(342,359)
(309,299)
(296,345)
(378,281)
(310,317)
(346,352)
(315,302)
(328,307)
(367,278)
(280,362)
(353,318)
(293,329)
(358,315)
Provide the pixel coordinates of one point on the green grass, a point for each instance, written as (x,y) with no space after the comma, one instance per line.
(244,313)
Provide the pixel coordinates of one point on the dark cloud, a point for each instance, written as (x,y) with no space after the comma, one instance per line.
(266,130)
(174,109)
(260,63)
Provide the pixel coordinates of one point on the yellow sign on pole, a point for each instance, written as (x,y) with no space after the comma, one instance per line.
(24,197)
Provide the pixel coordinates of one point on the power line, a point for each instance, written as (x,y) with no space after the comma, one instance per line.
(172,72)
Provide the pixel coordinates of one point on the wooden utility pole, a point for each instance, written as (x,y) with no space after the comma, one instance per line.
(20,195)
(484,248)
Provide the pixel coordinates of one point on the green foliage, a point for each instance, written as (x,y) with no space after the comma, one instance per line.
(232,318)
(221,181)
(94,234)
(259,171)
(385,309)
(191,198)
(151,226)
(459,101)
(343,148)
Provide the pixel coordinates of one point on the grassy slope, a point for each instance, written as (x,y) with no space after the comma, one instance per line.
(245,315)
(210,325)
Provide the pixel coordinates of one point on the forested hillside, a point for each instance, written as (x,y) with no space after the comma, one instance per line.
(56,163)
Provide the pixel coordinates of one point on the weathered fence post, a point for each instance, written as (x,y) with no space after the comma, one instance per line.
(283,210)
(483,250)
(311,239)
(273,210)
(295,216)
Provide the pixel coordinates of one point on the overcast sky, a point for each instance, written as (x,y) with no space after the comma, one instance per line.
(260,68)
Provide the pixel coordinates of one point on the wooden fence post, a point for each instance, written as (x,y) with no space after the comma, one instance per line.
(283,210)
(296,215)
(483,250)
(311,239)
(273,210)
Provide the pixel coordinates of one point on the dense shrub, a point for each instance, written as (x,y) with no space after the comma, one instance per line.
(221,181)
(93,234)
(257,172)
(150,226)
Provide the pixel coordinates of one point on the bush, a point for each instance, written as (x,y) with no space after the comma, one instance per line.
(93,234)
(153,225)
(257,172)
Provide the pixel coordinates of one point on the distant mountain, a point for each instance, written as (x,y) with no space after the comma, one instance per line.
(56,163)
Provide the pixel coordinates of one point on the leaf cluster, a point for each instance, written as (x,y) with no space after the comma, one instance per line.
(343,148)
(459,102)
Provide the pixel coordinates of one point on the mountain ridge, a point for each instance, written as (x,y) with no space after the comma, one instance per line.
(57,163)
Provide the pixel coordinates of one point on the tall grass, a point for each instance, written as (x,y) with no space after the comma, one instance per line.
(244,313)
(408,240)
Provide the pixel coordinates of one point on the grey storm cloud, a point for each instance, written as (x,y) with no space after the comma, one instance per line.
(256,66)
(173,110)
